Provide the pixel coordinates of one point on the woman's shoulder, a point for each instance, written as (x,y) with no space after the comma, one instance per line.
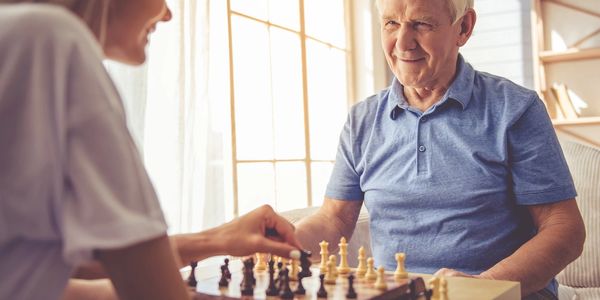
(24,23)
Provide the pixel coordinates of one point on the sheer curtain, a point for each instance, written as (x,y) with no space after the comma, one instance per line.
(177,105)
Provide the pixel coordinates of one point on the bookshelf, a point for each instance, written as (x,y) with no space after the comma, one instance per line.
(566,57)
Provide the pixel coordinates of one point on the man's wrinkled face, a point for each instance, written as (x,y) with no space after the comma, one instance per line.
(419,41)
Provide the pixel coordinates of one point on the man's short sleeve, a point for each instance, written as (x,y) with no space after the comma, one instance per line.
(538,168)
(344,183)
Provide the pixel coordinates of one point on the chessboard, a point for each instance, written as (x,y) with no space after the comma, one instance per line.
(458,287)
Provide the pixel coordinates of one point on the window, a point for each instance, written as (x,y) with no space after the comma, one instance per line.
(290,91)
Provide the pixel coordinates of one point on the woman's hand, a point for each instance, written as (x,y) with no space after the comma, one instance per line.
(261,230)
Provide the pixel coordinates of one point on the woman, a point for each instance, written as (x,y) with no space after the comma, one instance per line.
(72,185)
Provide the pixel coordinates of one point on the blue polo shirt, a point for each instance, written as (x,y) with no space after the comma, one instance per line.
(450,186)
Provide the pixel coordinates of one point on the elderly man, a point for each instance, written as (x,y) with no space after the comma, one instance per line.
(459,169)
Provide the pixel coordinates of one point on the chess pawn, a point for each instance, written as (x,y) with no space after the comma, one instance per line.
(294,269)
(443,289)
(400,270)
(261,262)
(380,283)
(324,256)
(370,275)
(333,259)
(322,293)
(343,268)
(434,285)
(192,278)
(351,294)
(362,263)
(330,276)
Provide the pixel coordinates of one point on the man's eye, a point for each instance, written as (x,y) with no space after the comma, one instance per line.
(421,25)
(390,23)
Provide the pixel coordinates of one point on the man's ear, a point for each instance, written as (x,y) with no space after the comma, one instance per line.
(467,23)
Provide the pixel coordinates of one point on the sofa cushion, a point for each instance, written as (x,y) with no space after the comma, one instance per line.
(584,163)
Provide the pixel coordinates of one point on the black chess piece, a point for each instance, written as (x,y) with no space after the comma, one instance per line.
(223,282)
(251,268)
(286,291)
(272,289)
(247,284)
(322,293)
(191,281)
(305,263)
(279,279)
(300,290)
(227,272)
(351,292)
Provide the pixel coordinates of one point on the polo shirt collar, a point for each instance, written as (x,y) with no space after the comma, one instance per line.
(460,90)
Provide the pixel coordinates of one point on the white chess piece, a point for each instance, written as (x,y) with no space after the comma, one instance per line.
(333,259)
(331,276)
(380,283)
(370,275)
(443,289)
(294,268)
(261,262)
(400,271)
(434,285)
(324,256)
(343,268)
(362,263)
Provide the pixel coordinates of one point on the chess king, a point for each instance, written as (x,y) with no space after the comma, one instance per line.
(459,169)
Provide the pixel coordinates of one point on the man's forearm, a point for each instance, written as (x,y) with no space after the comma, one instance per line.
(316,228)
(536,262)
(335,219)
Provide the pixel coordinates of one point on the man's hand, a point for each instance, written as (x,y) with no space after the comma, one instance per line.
(454,273)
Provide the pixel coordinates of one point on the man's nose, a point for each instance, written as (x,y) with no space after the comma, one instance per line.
(405,39)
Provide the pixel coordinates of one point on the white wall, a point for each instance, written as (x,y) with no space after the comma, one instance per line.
(501,42)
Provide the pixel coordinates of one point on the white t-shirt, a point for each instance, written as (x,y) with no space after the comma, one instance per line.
(71,178)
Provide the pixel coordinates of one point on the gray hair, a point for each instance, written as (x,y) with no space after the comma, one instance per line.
(457,8)
(93,12)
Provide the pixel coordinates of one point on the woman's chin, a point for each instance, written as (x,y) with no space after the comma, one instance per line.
(133,58)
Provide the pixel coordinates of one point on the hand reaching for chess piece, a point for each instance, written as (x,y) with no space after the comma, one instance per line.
(261,230)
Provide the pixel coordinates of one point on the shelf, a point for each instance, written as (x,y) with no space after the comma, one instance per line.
(569,55)
(579,121)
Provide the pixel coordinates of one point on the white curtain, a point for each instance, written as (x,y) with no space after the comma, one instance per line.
(178,112)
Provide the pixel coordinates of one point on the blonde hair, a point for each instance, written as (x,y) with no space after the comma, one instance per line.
(457,8)
(93,12)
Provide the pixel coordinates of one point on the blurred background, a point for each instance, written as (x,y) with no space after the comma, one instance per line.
(241,102)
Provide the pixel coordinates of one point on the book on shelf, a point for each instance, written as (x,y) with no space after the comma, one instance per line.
(552,106)
(561,94)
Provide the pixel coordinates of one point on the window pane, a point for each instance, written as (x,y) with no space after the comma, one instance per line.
(291,185)
(285,13)
(320,172)
(253,107)
(255,185)
(253,8)
(287,94)
(328,99)
(325,21)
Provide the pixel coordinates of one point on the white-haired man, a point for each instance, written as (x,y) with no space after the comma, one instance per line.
(461,170)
